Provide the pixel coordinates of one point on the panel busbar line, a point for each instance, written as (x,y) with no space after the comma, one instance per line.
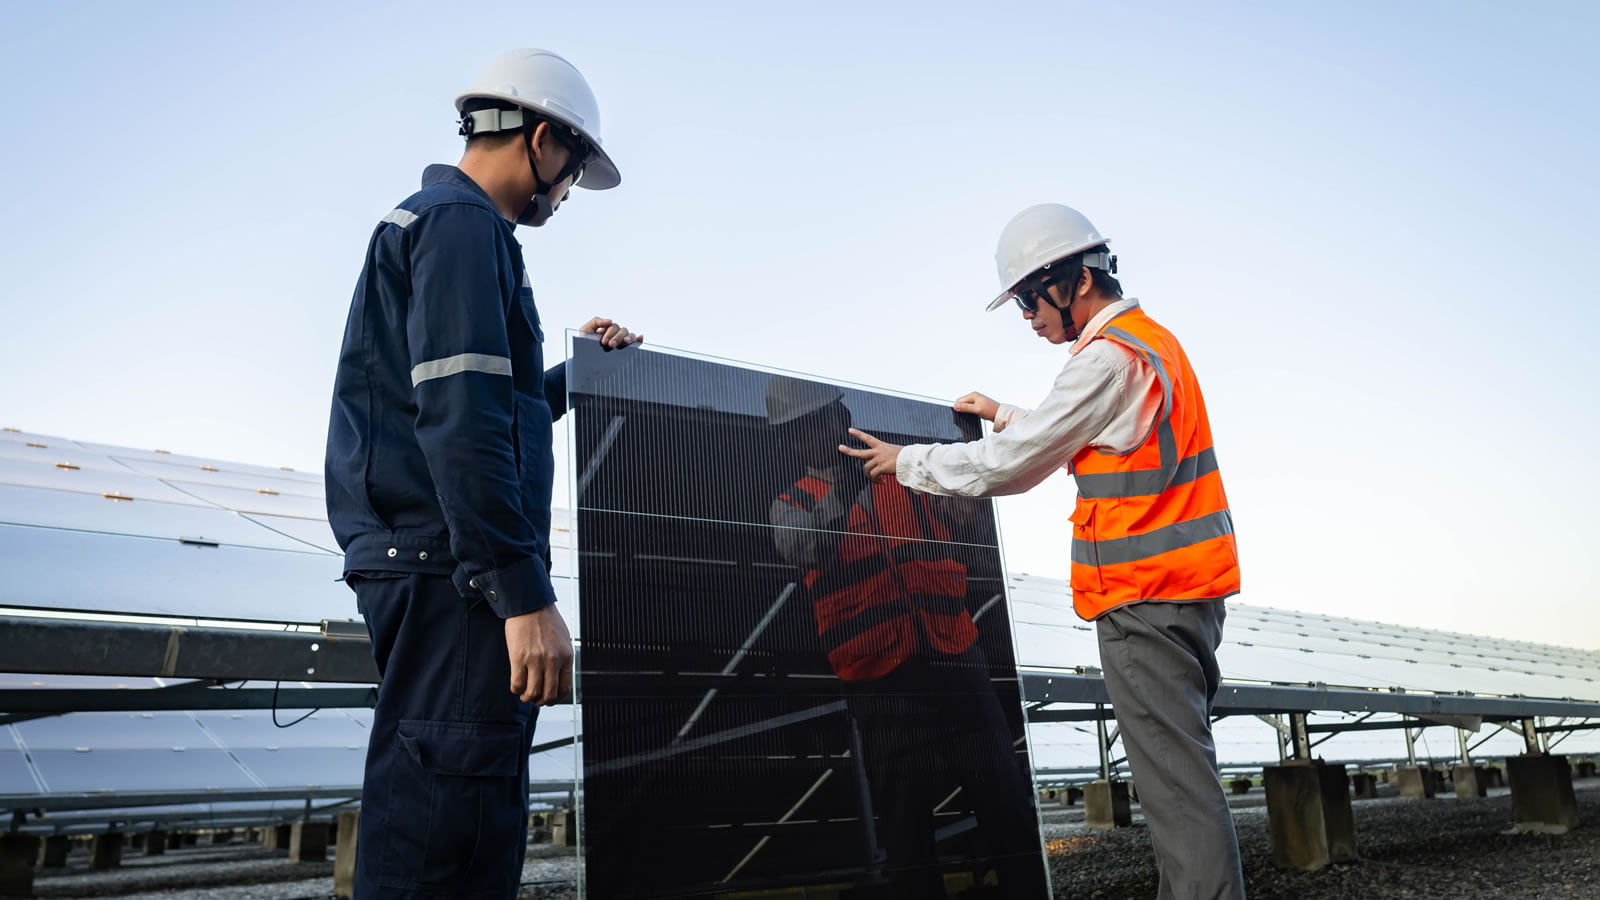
(790,676)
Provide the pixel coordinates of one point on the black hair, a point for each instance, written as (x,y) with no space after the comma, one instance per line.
(1105,284)
(493,140)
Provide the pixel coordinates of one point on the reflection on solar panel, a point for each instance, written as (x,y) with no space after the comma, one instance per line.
(811,671)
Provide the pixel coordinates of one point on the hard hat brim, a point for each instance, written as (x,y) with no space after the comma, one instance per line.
(1000,301)
(1011,291)
(599,174)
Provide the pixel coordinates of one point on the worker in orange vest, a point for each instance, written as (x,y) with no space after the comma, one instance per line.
(1153,553)
(886,571)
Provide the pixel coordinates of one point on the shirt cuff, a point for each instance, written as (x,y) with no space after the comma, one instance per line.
(514,590)
(907,463)
(1005,415)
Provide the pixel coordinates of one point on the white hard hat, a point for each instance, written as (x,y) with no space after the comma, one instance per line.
(543,82)
(1039,236)
(790,398)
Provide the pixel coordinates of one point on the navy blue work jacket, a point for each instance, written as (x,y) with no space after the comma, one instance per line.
(439,457)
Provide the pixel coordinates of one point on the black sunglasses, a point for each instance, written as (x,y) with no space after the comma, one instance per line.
(1033,290)
(578,157)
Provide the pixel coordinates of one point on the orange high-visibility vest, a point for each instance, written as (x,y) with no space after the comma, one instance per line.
(886,593)
(1153,524)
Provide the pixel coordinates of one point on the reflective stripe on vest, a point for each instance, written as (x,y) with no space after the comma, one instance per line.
(891,587)
(1153,523)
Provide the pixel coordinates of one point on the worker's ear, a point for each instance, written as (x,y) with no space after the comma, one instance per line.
(541,140)
(1085,284)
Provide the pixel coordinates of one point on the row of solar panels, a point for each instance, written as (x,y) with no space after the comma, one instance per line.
(94,528)
(182,546)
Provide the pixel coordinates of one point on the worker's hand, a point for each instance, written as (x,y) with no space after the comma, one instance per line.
(977,404)
(611,334)
(541,656)
(879,458)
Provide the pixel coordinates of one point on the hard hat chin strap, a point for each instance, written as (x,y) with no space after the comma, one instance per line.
(1066,311)
(540,209)
(1099,259)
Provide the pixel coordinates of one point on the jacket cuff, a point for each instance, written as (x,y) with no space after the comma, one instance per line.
(514,590)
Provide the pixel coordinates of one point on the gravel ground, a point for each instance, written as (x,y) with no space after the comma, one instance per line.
(1440,848)
(1443,848)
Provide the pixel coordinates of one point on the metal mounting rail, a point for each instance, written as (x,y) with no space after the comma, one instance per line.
(1050,687)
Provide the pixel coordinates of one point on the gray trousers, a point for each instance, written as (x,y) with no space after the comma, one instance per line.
(1160,664)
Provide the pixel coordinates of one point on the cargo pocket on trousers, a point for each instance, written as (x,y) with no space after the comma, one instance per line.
(459,816)
(1085,558)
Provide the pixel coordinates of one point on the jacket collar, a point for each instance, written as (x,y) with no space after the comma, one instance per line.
(1101,320)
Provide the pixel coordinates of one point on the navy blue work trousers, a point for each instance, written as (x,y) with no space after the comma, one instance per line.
(444,806)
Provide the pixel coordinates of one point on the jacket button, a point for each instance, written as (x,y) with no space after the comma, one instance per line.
(393,553)
(422,554)
(472,583)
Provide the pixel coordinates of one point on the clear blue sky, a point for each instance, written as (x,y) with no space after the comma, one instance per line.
(1372,225)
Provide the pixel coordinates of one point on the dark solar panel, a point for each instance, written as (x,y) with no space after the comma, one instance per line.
(811,674)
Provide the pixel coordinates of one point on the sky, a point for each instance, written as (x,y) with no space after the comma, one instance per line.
(1371,225)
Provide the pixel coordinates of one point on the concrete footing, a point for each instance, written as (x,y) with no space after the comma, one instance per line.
(1586,769)
(539,828)
(155,842)
(308,842)
(105,852)
(1365,785)
(221,837)
(1416,782)
(1309,820)
(564,828)
(18,854)
(176,841)
(1241,785)
(53,852)
(1106,805)
(344,855)
(1471,782)
(1541,794)
(1071,796)
(275,837)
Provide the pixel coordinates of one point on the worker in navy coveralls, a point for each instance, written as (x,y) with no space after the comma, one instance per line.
(439,471)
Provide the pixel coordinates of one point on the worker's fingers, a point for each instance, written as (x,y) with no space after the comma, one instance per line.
(535,683)
(552,680)
(566,682)
(858,454)
(977,404)
(865,438)
(519,674)
(595,325)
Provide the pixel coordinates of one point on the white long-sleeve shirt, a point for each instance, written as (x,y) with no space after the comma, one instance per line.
(1106,397)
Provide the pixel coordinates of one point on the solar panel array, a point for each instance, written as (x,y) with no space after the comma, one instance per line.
(102,529)
(109,529)
(1287,647)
